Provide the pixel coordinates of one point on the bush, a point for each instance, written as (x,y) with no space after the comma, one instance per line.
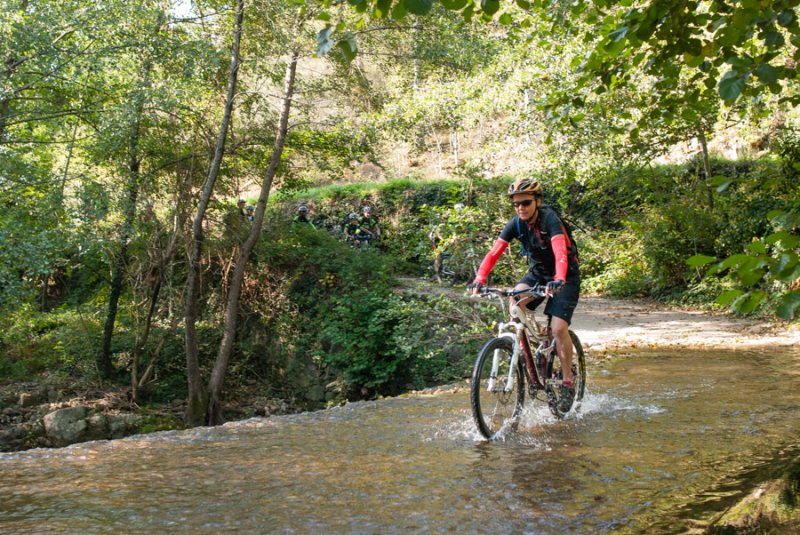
(440,336)
(339,308)
(671,234)
(614,263)
(63,342)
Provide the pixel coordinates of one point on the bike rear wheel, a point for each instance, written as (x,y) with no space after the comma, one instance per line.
(494,409)
(554,374)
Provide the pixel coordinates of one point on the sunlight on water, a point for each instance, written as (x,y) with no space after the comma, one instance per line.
(659,444)
(608,404)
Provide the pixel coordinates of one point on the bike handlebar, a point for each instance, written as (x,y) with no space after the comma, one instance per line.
(539,290)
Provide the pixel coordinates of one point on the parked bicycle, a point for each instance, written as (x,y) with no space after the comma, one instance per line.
(507,363)
(456,268)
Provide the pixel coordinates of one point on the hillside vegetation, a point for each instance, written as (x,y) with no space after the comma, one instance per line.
(130,129)
(322,322)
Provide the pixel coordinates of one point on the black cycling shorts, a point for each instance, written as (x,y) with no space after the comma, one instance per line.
(561,305)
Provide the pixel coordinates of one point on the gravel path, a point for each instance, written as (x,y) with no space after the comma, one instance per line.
(608,324)
(605,324)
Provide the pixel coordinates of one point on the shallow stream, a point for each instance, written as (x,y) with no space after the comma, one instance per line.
(663,443)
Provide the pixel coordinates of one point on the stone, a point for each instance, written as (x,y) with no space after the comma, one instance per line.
(97,427)
(121,425)
(65,426)
(21,437)
(33,396)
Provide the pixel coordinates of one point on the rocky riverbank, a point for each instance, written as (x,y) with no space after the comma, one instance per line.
(34,415)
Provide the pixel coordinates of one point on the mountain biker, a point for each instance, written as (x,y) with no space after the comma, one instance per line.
(369,223)
(353,231)
(302,216)
(553,259)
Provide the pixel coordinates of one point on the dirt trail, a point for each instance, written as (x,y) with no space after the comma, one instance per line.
(607,324)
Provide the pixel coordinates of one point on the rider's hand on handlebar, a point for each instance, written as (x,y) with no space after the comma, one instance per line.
(553,287)
(475,288)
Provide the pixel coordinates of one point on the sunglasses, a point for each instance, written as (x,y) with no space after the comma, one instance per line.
(526,203)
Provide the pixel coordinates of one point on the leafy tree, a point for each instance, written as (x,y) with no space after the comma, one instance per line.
(679,65)
(198,398)
(768,269)
(743,48)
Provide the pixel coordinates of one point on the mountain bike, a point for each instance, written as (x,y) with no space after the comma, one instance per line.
(361,241)
(507,364)
(456,268)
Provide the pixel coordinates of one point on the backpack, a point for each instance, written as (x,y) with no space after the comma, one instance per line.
(526,232)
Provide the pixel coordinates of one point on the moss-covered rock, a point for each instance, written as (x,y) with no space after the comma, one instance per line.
(774,507)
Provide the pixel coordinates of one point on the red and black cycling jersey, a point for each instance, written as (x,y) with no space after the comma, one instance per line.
(536,243)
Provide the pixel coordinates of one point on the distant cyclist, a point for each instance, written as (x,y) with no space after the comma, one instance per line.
(553,258)
(353,233)
(369,223)
(302,216)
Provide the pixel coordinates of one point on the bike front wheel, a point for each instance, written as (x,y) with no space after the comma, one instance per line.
(496,406)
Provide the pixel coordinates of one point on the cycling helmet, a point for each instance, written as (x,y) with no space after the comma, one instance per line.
(366,209)
(525,185)
(250,207)
(303,208)
(353,215)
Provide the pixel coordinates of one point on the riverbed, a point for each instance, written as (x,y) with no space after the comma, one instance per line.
(663,442)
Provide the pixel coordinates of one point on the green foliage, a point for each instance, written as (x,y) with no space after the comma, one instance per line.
(738,47)
(787,147)
(160,422)
(768,270)
(359,341)
(62,343)
(343,307)
(439,336)
(671,232)
(614,263)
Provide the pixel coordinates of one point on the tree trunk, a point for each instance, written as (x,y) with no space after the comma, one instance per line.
(235,287)
(196,404)
(164,261)
(706,166)
(104,365)
(5,109)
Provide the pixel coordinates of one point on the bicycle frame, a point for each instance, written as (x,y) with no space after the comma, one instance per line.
(521,329)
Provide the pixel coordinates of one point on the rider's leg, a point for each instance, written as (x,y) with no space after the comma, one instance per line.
(563,346)
(522,302)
